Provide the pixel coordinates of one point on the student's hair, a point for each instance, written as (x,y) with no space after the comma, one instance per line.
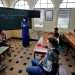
(56,34)
(54,42)
(56,29)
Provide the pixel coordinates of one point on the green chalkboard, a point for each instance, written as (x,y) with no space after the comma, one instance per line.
(11,18)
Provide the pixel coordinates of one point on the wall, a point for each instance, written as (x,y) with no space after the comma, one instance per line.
(72,20)
(8,34)
(13,33)
(17,34)
(50,25)
(47,25)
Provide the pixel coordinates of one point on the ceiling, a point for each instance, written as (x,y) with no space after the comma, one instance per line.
(10,3)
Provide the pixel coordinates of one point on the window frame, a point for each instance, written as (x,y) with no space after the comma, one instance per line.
(65,9)
(2,3)
(43,3)
(66,4)
(18,5)
(46,18)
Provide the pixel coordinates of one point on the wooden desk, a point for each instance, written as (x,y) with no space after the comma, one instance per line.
(70,37)
(3,49)
(43,41)
(39,47)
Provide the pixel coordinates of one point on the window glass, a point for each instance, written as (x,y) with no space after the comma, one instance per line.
(22,4)
(1,4)
(67,4)
(63,18)
(44,4)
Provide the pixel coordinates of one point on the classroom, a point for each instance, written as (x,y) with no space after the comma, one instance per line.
(37,37)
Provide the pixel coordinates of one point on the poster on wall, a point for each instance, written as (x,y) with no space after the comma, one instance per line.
(49,15)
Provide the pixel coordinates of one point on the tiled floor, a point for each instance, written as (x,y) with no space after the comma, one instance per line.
(21,57)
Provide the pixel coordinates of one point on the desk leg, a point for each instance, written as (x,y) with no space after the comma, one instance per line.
(3,66)
(67,50)
(9,52)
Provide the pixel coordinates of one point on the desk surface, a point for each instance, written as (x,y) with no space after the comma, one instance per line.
(3,49)
(71,38)
(39,47)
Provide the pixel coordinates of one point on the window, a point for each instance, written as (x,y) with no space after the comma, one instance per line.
(38,22)
(1,3)
(63,18)
(49,15)
(44,4)
(67,4)
(22,4)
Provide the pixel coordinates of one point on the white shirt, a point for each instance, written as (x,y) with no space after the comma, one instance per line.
(58,40)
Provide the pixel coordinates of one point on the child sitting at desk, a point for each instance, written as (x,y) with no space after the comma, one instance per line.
(2,43)
(49,64)
(56,31)
(2,38)
(59,37)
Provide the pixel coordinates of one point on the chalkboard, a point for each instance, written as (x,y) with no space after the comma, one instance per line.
(11,18)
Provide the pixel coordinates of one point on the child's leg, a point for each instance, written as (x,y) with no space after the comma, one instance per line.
(55,69)
(34,70)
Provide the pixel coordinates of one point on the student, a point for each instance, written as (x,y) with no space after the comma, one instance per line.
(56,35)
(59,37)
(56,31)
(2,38)
(49,64)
